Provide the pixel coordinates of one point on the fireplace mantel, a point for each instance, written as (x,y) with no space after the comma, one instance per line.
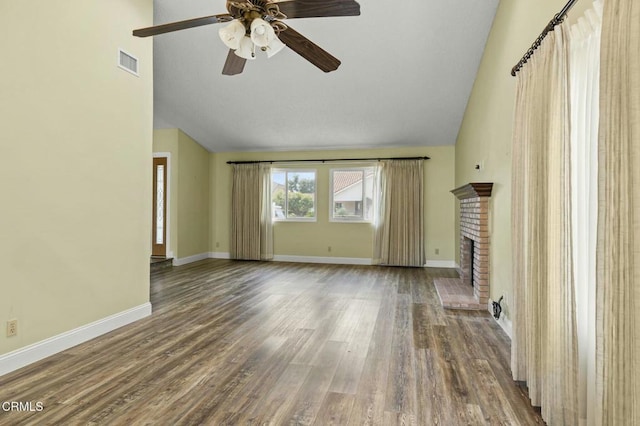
(473,190)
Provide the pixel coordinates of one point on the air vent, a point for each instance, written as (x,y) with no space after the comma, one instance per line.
(127,62)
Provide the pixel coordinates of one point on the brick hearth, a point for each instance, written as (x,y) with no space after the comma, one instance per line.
(471,290)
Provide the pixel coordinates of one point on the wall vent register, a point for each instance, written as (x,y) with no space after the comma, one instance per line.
(127,62)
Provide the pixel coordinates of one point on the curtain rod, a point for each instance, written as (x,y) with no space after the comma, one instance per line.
(327,160)
(557,20)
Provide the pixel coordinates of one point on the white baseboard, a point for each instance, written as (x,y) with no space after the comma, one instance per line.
(440,264)
(219,255)
(333,260)
(319,259)
(304,259)
(503,322)
(35,352)
(190,259)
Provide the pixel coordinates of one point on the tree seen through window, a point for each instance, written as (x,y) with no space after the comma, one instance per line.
(293,194)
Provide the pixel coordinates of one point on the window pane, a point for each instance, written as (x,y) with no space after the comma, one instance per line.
(348,193)
(301,187)
(293,194)
(352,194)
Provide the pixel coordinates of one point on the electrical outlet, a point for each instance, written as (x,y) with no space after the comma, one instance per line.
(217,244)
(437,251)
(329,249)
(12,328)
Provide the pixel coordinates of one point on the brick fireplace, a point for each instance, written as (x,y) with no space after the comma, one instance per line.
(471,290)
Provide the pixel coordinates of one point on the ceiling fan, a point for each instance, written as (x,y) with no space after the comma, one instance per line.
(257,25)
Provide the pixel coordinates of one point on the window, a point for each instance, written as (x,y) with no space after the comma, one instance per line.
(352,195)
(293,194)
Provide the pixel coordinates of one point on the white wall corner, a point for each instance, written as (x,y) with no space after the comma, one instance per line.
(29,354)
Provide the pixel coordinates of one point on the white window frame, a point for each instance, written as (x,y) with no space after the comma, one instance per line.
(288,171)
(373,192)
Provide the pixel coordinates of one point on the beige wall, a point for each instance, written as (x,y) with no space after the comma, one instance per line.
(350,240)
(193,201)
(485,135)
(189,195)
(76,182)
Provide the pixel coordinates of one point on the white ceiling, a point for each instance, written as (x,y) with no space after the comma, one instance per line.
(407,71)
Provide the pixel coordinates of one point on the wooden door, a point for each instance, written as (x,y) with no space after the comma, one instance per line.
(159,233)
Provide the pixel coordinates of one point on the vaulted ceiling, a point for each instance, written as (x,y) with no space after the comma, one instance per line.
(407,71)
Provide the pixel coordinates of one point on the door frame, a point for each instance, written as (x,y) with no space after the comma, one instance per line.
(167,155)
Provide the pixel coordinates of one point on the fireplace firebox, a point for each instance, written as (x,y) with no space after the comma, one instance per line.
(467,246)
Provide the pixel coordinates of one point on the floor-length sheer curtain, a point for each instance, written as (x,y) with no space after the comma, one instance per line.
(399,236)
(585,89)
(544,349)
(618,252)
(251,216)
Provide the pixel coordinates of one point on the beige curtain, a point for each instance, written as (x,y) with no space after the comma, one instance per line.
(562,356)
(399,238)
(251,216)
(618,252)
(544,349)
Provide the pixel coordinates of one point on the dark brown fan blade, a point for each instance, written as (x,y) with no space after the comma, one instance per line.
(234,64)
(182,25)
(309,50)
(318,8)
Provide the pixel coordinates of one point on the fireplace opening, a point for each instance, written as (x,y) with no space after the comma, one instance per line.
(472,247)
(467,260)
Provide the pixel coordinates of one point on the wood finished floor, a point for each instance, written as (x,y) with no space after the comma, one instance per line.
(276,343)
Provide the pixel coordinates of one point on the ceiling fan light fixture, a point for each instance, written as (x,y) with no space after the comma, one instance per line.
(257,24)
(246,50)
(232,34)
(274,47)
(262,32)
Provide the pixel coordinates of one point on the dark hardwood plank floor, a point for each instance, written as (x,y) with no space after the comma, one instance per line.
(250,343)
